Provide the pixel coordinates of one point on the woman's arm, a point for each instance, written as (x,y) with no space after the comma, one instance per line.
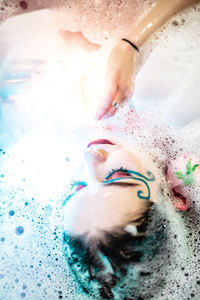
(120,66)
(160,13)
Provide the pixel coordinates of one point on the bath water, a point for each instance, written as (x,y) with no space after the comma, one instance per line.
(43,135)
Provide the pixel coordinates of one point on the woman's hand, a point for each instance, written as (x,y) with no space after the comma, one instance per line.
(74,39)
(119,79)
(120,66)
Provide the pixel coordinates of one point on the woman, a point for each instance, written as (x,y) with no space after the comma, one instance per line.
(115,223)
(99,248)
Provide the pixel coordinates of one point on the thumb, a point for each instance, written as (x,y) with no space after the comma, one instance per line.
(106,101)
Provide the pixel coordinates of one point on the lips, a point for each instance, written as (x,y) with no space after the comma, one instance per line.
(100,141)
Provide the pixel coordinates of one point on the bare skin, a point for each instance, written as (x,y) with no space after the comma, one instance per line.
(97,205)
(120,69)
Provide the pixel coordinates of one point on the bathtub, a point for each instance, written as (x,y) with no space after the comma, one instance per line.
(36,123)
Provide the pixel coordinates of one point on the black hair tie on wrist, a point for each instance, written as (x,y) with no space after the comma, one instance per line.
(133,45)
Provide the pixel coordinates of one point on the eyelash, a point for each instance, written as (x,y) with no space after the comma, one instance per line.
(76,183)
(112,171)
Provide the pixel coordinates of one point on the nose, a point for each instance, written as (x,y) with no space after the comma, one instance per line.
(96,155)
(93,158)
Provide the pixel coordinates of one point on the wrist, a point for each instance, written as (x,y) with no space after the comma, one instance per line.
(131,44)
(126,47)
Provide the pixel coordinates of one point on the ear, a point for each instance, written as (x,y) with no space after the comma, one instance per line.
(179,201)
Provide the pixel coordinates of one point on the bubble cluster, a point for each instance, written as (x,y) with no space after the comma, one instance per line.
(122,13)
(31,254)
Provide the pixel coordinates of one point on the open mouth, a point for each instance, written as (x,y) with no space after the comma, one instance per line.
(100,141)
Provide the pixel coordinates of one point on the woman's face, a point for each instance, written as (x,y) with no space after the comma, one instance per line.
(108,197)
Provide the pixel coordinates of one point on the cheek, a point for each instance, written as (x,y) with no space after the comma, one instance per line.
(131,161)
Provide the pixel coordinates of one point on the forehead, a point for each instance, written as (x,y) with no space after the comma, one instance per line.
(102,208)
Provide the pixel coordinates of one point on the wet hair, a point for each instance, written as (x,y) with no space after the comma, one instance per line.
(102,262)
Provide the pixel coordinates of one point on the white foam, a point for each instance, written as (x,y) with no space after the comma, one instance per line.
(35,165)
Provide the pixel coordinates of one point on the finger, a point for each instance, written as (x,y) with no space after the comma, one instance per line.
(122,95)
(107,100)
(119,99)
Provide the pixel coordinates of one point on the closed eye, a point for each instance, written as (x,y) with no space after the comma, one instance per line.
(77,185)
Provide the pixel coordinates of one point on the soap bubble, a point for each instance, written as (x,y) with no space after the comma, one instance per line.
(19,230)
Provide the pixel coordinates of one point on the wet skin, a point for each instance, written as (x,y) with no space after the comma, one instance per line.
(109,197)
